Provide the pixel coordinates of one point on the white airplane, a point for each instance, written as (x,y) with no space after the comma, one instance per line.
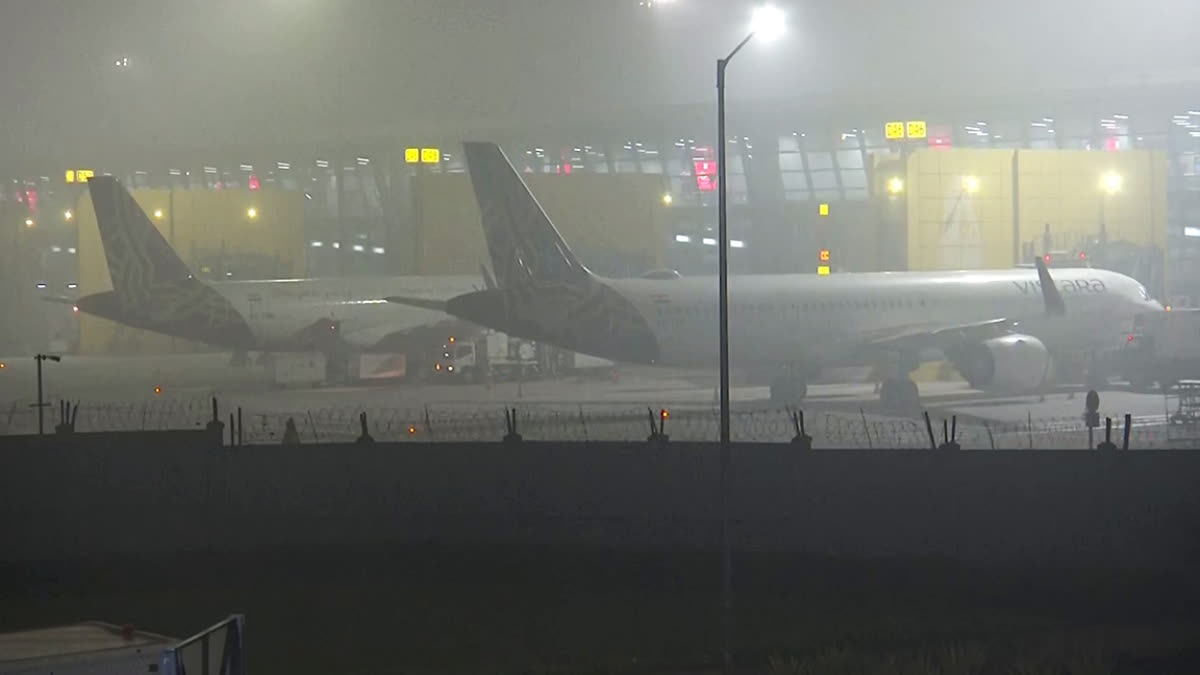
(154,290)
(1003,329)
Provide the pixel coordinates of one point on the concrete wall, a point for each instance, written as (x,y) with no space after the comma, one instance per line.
(202,226)
(1062,188)
(118,495)
(610,221)
(950,227)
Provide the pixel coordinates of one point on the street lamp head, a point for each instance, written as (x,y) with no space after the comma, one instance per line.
(767,23)
(1110,182)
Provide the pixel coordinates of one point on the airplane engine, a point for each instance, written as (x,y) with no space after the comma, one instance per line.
(1012,363)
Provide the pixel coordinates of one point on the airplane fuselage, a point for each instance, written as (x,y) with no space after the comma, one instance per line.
(279,310)
(825,321)
(279,315)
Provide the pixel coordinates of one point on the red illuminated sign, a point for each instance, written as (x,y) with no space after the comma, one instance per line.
(254,185)
(706,174)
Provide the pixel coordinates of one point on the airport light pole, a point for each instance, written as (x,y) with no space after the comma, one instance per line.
(41,405)
(767,23)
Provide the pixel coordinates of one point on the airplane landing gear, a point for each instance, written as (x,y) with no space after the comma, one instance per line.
(788,389)
(899,394)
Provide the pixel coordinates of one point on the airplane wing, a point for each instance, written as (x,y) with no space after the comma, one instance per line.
(916,338)
(423,303)
(489,282)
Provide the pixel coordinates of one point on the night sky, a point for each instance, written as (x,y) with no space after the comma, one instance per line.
(231,70)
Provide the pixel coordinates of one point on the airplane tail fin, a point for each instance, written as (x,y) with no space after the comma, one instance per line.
(138,256)
(522,242)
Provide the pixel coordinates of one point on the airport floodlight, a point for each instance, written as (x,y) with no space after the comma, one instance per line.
(1111,182)
(895,185)
(251,213)
(67,215)
(667,199)
(970,184)
(767,23)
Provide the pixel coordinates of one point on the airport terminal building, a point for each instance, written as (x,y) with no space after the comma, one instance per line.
(1108,177)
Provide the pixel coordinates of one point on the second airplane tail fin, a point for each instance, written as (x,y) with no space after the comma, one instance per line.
(522,242)
(138,256)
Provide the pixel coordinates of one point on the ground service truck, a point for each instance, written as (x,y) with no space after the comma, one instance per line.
(491,355)
(1163,348)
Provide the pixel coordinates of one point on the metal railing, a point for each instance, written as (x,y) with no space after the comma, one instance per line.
(595,423)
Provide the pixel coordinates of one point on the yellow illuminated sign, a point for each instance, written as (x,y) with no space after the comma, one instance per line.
(893,130)
(412,155)
(79,175)
(70,175)
(915,129)
(430,155)
(824,255)
(823,210)
(823,270)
